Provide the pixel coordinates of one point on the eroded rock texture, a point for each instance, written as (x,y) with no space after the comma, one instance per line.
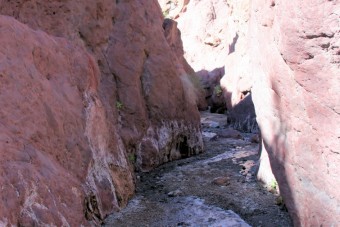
(204,42)
(195,91)
(290,61)
(55,143)
(88,91)
(295,62)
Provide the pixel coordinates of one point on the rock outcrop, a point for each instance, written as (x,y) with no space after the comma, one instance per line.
(242,116)
(195,91)
(203,33)
(288,58)
(88,92)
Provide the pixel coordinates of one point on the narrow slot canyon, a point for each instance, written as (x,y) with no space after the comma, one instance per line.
(170,113)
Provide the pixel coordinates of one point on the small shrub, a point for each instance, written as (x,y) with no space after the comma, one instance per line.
(273,185)
(132,158)
(218,90)
(119,105)
(166,13)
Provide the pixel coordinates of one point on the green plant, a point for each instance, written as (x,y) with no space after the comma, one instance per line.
(273,185)
(166,13)
(119,105)
(218,90)
(132,158)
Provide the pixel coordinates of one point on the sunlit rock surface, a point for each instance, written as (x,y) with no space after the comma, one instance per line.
(205,41)
(295,63)
(289,60)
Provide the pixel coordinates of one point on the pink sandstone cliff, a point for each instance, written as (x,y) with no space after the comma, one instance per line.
(289,58)
(295,65)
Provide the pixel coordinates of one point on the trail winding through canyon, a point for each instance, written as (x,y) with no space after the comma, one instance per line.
(216,188)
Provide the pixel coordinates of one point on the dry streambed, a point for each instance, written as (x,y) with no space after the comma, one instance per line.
(216,188)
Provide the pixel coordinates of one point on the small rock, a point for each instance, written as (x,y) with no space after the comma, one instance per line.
(230,133)
(211,219)
(214,124)
(255,138)
(182,224)
(221,181)
(209,135)
(175,193)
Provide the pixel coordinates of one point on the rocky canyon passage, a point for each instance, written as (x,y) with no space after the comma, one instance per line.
(215,188)
(100,120)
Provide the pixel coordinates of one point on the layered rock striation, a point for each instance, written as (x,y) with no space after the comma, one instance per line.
(89,92)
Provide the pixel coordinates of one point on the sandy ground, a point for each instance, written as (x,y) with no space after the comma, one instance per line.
(216,188)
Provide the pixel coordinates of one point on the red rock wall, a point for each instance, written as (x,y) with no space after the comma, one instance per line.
(87,92)
(288,56)
(295,63)
(49,145)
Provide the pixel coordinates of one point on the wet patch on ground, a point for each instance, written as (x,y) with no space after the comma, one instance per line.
(215,188)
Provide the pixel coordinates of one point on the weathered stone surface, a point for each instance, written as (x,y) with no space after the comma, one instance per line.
(205,45)
(291,65)
(134,64)
(173,8)
(210,81)
(295,60)
(230,133)
(87,106)
(242,116)
(255,138)
(237,81)
(194,88)
(221,181)
(203,33)
(58,149)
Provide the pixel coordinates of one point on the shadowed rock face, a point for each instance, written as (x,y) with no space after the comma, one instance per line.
(290,61)
(295,62)
(80,111)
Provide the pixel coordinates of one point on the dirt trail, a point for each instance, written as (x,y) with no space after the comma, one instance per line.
(215,188)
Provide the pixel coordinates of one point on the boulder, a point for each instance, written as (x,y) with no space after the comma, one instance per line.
(242,116)
(210,81)
(229,133)
(221,181)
